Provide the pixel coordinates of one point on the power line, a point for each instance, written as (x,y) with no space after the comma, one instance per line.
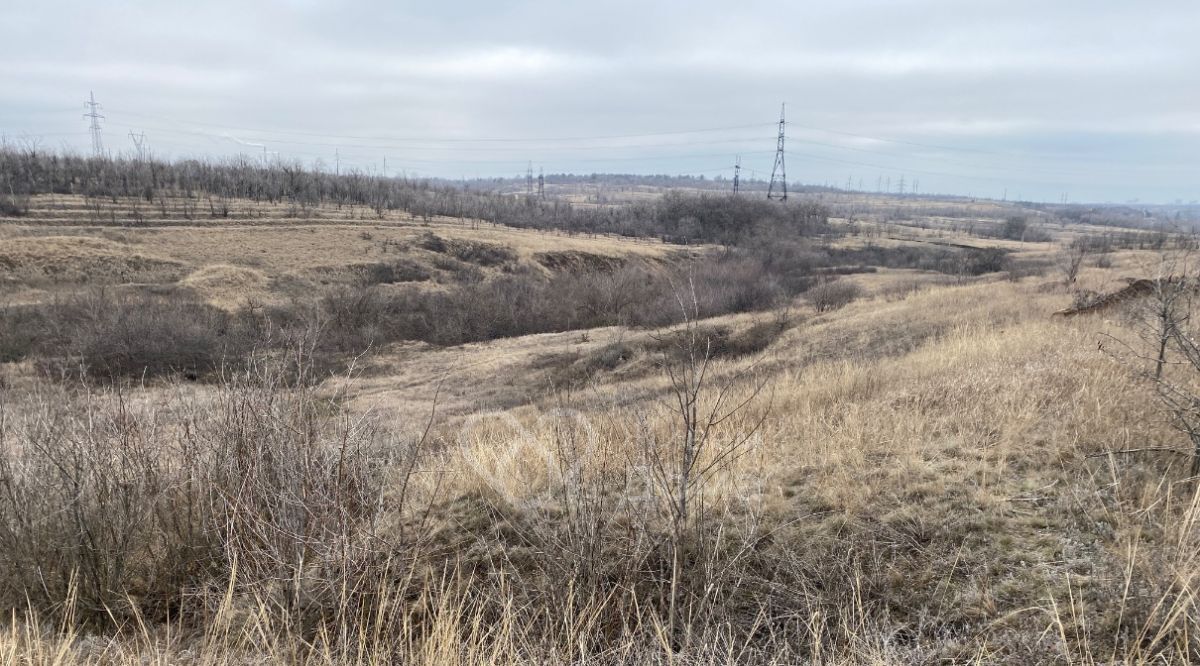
(686,143)
(1007,173)
(459,139)
(906,143)
(466,149)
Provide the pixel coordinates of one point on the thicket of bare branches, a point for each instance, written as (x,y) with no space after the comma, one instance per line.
(1164,348)
(190,188)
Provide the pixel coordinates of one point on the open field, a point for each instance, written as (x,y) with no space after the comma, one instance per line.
(920,470)
(264,256)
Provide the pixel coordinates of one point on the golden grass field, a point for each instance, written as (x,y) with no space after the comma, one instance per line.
(258,255)
(936,447)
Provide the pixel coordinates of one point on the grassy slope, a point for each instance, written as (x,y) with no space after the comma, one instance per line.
(922,464)
(261,253)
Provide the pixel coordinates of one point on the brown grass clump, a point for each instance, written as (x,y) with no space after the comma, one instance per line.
(228,287)
(80,259)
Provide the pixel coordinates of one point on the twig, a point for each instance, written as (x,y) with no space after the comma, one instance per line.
(1148,449)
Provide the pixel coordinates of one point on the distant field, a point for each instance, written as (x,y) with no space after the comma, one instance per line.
(258,253)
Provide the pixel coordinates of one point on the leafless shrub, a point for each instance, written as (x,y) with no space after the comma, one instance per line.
(391,272)
(11,206)
(1082,299)
(1070,261)
(268,486)
(834,295)
(102,333)
(1166,341)
(474,252)
(700,445)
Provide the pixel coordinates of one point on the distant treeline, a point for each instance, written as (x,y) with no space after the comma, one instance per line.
(718,218)
(624,180)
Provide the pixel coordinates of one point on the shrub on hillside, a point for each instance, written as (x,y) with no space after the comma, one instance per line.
(102,506)
(103,334)
(391,272)
(10,207)
(829,296)
(470,251)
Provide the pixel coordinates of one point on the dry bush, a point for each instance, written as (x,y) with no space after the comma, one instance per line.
(102,333)
(13,206)
(474,252)
(457,270)
(108,335)
(353,319)
(906,287)
(20,329)
(927,257)
(264,486)
(926,507)
(391,272)
(829,296)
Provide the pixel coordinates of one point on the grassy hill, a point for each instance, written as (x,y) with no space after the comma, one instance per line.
(931,467)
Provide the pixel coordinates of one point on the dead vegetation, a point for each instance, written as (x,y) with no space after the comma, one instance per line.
(479,447)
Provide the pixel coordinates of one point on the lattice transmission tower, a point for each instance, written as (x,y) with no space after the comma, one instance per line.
(93,113)
(779,171)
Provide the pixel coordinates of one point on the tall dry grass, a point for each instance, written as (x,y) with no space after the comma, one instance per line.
(927,482)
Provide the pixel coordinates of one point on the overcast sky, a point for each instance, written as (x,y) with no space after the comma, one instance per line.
(1095,99)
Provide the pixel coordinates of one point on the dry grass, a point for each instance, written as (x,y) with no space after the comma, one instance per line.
(921,470)
(74,260)
(927,483)
(261,254)
(228,287)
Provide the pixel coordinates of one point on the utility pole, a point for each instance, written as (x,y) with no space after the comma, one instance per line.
(879,183)
(737,174)
(139,141)
(780,167)
(337,162)
(94,114)
(916,187)
(849,182)
(541,183)
(900,187)
(529,180)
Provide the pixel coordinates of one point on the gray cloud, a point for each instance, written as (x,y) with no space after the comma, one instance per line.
(1098,99)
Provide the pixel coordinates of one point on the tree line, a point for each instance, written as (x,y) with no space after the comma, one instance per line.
(705,218)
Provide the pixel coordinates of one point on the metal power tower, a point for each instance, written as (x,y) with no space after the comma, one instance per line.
(139,142)
(529,180)
(541,183)
(780,168)
(737,174)
(94,114)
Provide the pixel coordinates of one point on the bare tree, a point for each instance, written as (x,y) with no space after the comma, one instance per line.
(1070,261)
(1163,314)
(697,448)
(1166,352)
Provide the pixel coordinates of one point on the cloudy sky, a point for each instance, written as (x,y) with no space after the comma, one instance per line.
(1098,100)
